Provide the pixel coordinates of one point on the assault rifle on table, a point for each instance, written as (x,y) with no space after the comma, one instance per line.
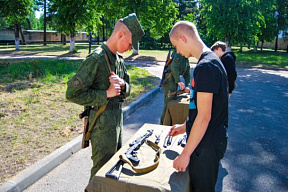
(175,93)
(85,115)
(130,154)
(135,145)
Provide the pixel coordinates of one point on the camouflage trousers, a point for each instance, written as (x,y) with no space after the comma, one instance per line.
(169,85)
(106,137)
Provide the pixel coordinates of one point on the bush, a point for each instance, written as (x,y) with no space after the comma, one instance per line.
(74,50)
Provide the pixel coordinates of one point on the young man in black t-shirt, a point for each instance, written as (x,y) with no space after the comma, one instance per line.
(205,127)
(228,59)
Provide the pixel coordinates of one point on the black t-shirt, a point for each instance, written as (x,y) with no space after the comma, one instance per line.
(210,76)
(228,60)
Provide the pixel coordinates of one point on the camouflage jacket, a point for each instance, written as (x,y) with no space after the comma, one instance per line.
(179,66)
(88,86)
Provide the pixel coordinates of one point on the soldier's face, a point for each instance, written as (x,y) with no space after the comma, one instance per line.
(125,42)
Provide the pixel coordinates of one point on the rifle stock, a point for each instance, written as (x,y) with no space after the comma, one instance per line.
(85,115)
(168,61)
(176,93)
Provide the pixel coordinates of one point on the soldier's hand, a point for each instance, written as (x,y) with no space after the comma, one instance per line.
(115,79)
(181,84)
(113,90)
(187,90)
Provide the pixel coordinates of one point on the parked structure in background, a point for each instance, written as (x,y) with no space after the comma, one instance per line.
(37,36)
(282,41)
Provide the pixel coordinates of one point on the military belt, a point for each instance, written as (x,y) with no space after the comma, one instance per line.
(109,106)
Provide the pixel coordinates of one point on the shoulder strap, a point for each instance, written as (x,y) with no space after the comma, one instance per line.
(107,61)
(102,108)
(170,74)
(144,169)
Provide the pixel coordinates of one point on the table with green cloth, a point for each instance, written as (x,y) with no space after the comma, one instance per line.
(177,110)
(163,178)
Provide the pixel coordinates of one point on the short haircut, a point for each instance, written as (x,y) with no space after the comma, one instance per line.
(119,25)
(184,28)
(218,44)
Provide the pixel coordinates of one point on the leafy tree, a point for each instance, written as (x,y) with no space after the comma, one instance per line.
(282,18)
(269,30)
(43,5)
(156,16)
(187,9)
(233,21)
(49,25)
(15,13)
(69,17)
(3,23)
(33,22)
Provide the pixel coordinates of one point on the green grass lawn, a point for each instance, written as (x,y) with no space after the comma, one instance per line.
(248,58)
(265,58)
(35,117)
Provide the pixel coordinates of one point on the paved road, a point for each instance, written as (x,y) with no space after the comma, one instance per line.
(256,157)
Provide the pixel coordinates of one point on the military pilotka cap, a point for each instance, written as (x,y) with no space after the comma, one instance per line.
(135,28)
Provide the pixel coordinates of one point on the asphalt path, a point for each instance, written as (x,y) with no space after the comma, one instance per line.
(257,155)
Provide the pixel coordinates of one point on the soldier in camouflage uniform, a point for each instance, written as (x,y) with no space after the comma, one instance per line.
(178,66)
(94,85)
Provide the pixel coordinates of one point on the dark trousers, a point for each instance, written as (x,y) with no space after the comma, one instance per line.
(204,166)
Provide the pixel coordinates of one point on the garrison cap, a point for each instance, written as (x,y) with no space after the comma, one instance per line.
(134,27)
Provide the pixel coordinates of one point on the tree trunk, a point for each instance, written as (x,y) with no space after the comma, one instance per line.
(45,20)
(72,42)
(103,30)
(276,43)
(228,48)
(22,35)
(29,23)
(98,36)
(135,52)
(255,47)
(262,43)
(241,48)
(90,41)
(63,39)
(17,40)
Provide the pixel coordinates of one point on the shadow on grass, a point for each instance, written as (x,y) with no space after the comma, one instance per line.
(141,58)
(16,86)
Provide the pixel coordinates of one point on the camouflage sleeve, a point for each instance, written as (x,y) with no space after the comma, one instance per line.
(175,68)
(79,87)
(186,74)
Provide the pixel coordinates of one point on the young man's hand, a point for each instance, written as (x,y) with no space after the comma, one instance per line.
(181,162)
(177,129)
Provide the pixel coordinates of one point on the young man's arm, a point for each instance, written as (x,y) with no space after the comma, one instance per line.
(204,106)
